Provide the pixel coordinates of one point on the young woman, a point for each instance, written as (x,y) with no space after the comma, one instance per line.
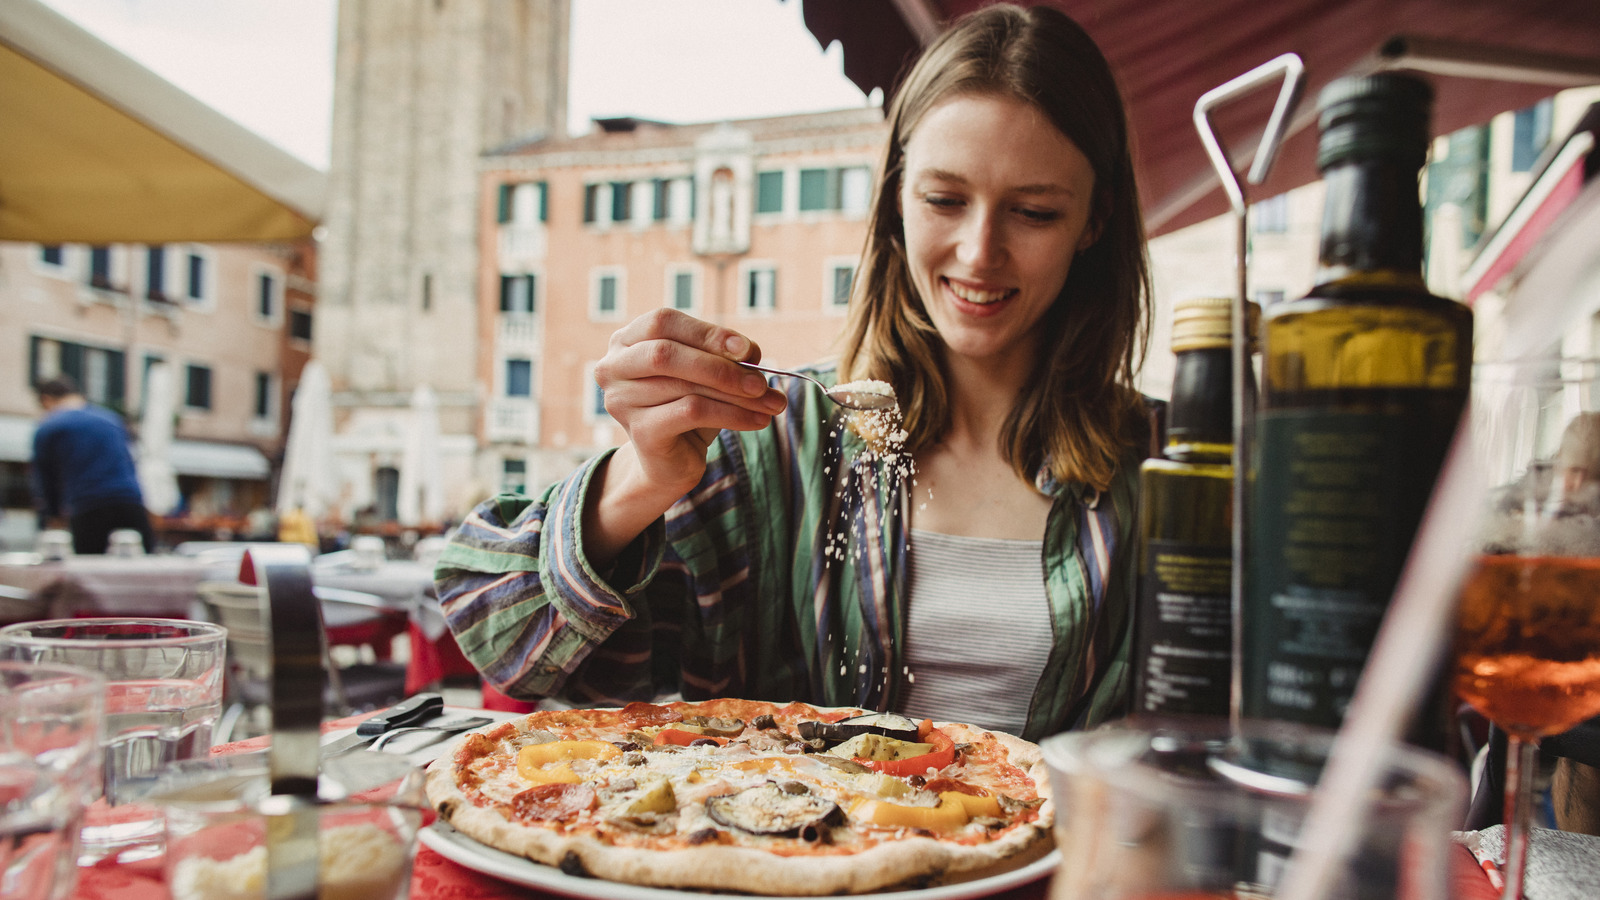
(727,550)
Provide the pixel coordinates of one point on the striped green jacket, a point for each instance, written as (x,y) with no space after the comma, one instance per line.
(781,576)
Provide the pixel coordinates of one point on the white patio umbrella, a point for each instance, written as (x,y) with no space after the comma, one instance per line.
(158,481)
(309,481)
(421,483)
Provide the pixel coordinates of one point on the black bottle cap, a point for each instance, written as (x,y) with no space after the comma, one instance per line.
(1386,114)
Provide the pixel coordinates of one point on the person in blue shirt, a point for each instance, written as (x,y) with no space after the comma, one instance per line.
(83,472)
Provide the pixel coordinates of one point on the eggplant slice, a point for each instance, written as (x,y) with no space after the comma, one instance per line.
(886,724)
(771,809)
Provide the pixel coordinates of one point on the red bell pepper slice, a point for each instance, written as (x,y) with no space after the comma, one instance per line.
(683,738)
(942,754)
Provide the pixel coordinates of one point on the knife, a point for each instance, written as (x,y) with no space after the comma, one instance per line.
(411,711)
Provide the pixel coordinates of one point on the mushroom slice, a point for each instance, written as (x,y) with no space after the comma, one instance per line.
(771,809)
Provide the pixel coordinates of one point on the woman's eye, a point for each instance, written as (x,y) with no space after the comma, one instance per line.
(1038,215)
(941,202)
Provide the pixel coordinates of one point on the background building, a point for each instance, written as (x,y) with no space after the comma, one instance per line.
(232,323)
(755,224)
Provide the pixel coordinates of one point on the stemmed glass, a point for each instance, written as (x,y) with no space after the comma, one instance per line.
(1528,631)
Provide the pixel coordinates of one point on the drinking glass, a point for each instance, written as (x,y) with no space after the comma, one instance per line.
(50,720)
(1528,630)
(163,696)
(1193,810)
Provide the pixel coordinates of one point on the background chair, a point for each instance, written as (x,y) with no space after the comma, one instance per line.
(352,688)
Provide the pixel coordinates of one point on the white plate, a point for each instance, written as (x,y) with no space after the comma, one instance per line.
(458,848)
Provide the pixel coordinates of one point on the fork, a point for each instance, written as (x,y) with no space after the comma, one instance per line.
(454,726)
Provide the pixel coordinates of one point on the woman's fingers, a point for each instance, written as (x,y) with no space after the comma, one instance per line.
(686,355)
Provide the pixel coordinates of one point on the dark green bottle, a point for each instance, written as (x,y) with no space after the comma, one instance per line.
(1363,383)
(1183,624)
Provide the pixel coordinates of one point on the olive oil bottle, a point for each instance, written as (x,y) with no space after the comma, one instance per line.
(1363,383)
(1183,624)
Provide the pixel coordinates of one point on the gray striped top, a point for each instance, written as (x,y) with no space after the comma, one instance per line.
(977,629)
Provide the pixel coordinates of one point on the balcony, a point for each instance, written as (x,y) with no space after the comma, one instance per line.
(519,331)
(513,420)
(522,246)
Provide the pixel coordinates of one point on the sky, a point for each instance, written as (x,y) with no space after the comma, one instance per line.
(268,64)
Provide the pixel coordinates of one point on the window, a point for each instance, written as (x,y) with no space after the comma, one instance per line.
(100,267)
(606,300)
(52,256)
(597,398)
(100,371)
(519,293)
(155,272)
(263,407)
(769,192)
(855,189)
(682,290)
(591,202)
(760,289)
(840,276)
(300,324)
(524,203)
(519,378)
(660,199)
(266,296)
(848,189)
(197,387)
(1271,216)
(621,201)
(514,476)
(196,289)
(817,189)
(1530,132)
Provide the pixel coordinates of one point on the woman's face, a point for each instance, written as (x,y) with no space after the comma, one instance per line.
(996,202)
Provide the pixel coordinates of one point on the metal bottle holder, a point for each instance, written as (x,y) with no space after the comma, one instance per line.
(1291,69)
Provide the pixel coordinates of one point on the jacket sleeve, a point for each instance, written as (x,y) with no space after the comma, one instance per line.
(526,606)
(46,477)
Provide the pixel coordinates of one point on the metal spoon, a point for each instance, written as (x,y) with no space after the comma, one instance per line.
(850,399)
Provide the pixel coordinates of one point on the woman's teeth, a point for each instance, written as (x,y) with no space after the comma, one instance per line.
(981,298)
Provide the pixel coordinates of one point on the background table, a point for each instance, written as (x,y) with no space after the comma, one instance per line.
(160,586)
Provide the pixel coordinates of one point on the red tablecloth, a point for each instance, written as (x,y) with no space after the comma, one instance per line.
(435,878)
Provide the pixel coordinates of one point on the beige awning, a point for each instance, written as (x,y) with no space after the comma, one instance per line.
(95,148)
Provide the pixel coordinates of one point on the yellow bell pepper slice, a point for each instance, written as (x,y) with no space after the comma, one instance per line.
(560,773)
(533,759)
(975,805)
(949,815)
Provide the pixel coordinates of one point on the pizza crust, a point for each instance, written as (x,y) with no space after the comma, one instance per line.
(910,861)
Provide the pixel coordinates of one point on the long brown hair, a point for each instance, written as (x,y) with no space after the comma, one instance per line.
(1080,409)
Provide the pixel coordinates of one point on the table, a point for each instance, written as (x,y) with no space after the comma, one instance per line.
(435,878)
(159,586)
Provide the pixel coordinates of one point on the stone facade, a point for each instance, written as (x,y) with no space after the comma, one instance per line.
(422,89)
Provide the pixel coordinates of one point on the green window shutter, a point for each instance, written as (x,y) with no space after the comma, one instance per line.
(503,212)
(544,201)
(814,189)
(533,292)
(505,293)
(769,192)
(591,202)
(621,201)
(682,290)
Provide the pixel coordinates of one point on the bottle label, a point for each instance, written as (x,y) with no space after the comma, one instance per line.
(1185,631)
(1337,499)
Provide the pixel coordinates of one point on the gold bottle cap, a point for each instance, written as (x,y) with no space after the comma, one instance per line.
(1203,323)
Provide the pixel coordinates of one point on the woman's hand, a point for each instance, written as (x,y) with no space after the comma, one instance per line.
(672,382)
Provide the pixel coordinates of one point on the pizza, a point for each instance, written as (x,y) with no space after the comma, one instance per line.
(739,795)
